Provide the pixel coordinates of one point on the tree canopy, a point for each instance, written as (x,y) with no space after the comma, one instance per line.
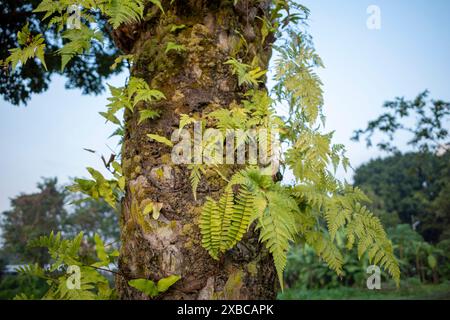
(428,133)
(414,186)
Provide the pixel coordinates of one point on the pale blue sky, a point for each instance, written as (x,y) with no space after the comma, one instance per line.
(364,68)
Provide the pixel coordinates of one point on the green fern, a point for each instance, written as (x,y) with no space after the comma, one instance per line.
(124,11)
(148,114)
(65,255)
(152,289)
(100,187)
(138,90)
(175,47)
(128,97)
(195,177)
(247,74)
(208,222)
(326,249)
(78,41)
(161,139)
(242,216)
(29,47)
(277,228)
(224,223)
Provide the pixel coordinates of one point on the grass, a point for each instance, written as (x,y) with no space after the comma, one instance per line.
(411,289)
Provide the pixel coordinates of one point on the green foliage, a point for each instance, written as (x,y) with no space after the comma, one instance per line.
(120,59)
(175,47)
(420,259)
(77,42)
(410,289)
(32,215)
(195,177)
(306,271)
(417,259)
(92,216)
(13,285)
(124,11)
(67,263)
(30,47)
(151,289)
(85,48)
(277,227)
(215,222)
(99,187)
(138,90)
(147,114)
(160,139)
(297,84)
(313,210)
(128,97)
(285,214)
(158,4)
(247,74)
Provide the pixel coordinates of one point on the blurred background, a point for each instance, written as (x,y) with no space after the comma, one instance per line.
(386,97)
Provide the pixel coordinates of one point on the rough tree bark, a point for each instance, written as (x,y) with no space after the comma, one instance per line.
(194,80)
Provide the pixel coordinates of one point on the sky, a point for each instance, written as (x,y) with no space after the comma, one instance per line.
(364,68)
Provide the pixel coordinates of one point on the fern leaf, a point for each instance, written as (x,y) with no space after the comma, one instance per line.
(147,114)
(241,218)
(78,42)
(124,11)
(209,220)
(160,139)
(226,208)
(277,228)
(195,177)
(30,47)
(175,47)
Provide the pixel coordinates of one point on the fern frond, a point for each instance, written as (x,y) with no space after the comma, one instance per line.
(326,249)
(175,47)
(210,226)
(372,239)
(29,47)
(147,114)
(246,74)
(277,228)
(185,120)
(226,209)
(124,11)
(32,270)
(160,139)
(78,41)
(195,177)
(224,223)
(243,213)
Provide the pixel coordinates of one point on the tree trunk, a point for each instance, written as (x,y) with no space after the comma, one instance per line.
(193,80)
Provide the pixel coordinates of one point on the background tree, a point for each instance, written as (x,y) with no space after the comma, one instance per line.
(429,133)
(38,214)
(92,217)
(412,186)
(52,209)
(32,216)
